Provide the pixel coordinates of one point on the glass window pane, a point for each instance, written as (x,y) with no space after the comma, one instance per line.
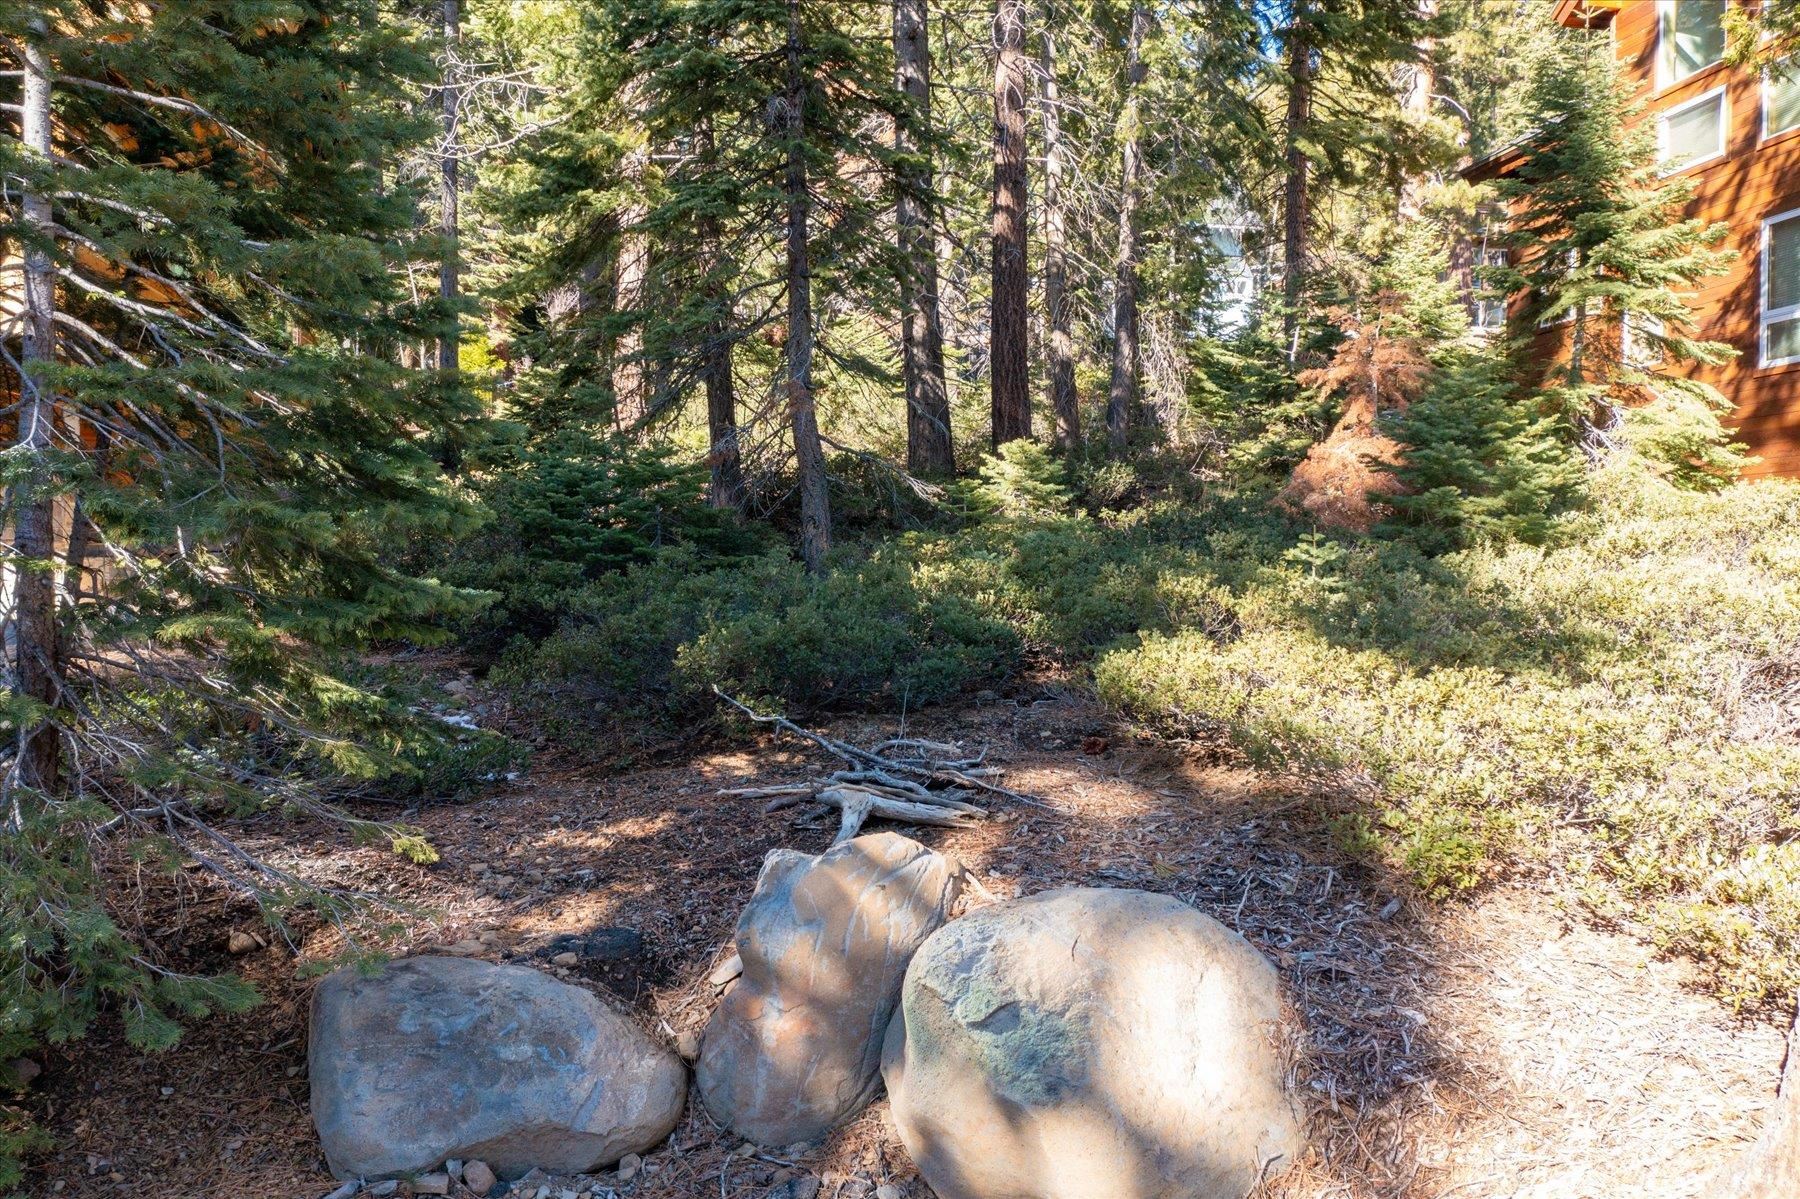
(1783,342)
(1697,36)
(1693,132)
(1782,97)
(1783,288)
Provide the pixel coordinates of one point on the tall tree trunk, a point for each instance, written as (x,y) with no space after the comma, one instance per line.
(1295,215)
(815,503)
(928,446)
(1008,362)
(1416,101)
(724,463)
(1121,402)
(37,664)
(631,391)
(1059,345)
(448,224)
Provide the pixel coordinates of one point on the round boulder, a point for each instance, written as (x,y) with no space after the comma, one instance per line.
(795,1047)
(1091,1044)
(438,1057)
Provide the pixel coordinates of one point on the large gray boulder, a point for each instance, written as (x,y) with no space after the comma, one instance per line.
(1090,1044)
(795,1046)
(438,1057)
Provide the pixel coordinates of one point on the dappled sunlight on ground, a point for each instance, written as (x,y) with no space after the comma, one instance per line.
(1479,1049)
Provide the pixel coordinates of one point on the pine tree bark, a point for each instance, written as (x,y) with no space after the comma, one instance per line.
(631,396)
(1121,401)
(1416,101)
(929,450)
(449,225)
(1008,361)
(809,455)
(1059,344)
(1295,215)
(37,666)
(724,463)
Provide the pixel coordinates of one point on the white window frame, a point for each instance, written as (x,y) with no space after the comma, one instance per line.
(1662,130)
(1635,356)
(1766,315)
(1491,257)
(1767,133)
(1664,55)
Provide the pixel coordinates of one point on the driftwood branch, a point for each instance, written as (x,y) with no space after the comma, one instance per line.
(904,779)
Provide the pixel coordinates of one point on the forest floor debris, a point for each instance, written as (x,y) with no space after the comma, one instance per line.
(1499,1047)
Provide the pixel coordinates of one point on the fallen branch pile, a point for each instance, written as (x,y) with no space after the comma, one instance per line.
(905,779)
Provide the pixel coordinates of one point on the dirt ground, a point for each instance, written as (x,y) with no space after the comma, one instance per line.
(1499,1048)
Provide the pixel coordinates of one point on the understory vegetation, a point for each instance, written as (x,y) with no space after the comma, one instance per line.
(852,357)
(1615,706)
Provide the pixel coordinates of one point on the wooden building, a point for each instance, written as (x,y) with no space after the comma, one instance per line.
(1737,134)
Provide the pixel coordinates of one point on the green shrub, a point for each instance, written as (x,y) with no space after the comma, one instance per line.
(651,642)
(1591,707)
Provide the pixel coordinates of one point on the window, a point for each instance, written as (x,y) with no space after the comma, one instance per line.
(1490,304)
(1692,133)
(1690,36)
(1639,340)
(1781,289)
(1781,97)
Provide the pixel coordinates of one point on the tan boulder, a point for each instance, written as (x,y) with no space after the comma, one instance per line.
(436,1057)
(1091,1044)
(795,1046)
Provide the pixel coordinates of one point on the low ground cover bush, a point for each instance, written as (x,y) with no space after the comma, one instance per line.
(1618,706)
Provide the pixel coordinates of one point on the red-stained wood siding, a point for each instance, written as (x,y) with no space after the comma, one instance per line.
(1755,179)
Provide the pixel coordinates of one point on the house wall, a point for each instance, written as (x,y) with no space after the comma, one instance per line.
(1755,179)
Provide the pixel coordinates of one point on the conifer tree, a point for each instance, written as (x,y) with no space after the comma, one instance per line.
(213,450)
(1598,240)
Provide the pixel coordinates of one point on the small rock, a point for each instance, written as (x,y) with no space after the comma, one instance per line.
(453,1166)
(478,1178)
(384,1188)
(599,944)
(165,1092)
(344,1192)
(726,970)
(629,1166)
(464,949)
(888,1190)
(744,1150)
(804,1187)
(687,1044)
(456,687)
(565,959)
(431,1184)
(490,937)
(241,943)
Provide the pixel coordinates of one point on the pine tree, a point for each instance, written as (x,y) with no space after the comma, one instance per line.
(1008,362)
(213,449)
(1482,460)
(1597,238)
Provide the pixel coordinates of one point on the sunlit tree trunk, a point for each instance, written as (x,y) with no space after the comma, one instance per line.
(724,462)
(928,444)
(815,504)
(1295,191)
(1008,361)
(36,662)
(449,270)
(1121,400)
(1059,345)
